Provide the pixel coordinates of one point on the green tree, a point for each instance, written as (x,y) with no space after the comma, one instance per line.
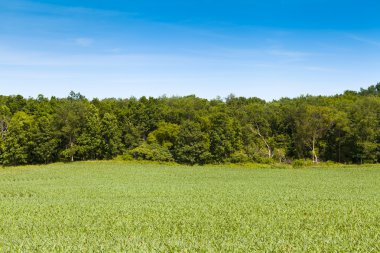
(258,123)
(365,116)
(339,140)
(16,103)
(5,115)
(70,119)
(165,135)
(193,145)
(89,143)
(311,125)
(145,114)
(111,136)
(130,135)
(224,137)
(17,142)
(44,140)
(152,152)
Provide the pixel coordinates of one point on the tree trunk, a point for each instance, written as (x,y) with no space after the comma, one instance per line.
(71,147)
(270,153)
(315,157)
(339,144)
(3,128)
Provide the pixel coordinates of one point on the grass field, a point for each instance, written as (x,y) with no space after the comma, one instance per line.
(111,206)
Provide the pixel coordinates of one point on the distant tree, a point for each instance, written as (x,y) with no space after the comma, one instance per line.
(151,152)
(17,142)
(178,109)
(75,96)
(41,106)
(365,116)
(70,119)
(165,135)
(339,141)
(89,142)
(5,115)
(111,136)
(371,90)
(44,140)
(259,124)
(16,103)
(224,137)
(262,130)
(131,135)
(193,145)
(146,114)
(311,125)
(192,130)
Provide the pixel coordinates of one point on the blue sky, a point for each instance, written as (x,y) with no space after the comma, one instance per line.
(268,49)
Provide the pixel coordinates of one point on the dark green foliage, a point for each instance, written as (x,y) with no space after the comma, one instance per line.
(192,145)
(239,157)
(342,128)
(44,140)
(71,118)
(5,116)
(311,125)
(165,135)
(151,152)
(16,149)
(130,135)
(223,137)
(371,90)
(110,136)
(90,141)
(15,103)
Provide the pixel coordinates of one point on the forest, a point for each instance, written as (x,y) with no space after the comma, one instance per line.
(343,128)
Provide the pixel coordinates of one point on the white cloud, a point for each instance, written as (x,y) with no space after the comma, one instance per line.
(83,42)
(319,69)
(289,54)
(28,6)
(114,50)
(365,40)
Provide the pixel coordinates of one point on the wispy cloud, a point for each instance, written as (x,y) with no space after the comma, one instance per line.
(364,40)
(37,59)
(285,56)
(289,54)
(115,50)
(83,42)
(320,69)
(54,9)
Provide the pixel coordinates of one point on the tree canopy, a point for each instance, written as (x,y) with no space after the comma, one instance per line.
(342,128)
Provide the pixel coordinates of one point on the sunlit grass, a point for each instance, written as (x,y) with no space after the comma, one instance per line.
(113,206)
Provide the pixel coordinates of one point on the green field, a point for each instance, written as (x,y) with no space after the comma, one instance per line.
(111,206)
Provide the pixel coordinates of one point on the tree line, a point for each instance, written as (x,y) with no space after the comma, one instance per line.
(344,128)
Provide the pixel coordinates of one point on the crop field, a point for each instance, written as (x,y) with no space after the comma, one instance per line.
(113,207)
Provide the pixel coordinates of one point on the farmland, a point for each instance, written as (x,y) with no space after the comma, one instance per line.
(114,206)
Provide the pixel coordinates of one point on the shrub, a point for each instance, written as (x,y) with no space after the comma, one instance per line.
(302,163)
(239,157)
(151,152)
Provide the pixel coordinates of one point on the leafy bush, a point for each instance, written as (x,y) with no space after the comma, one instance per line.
(151,152)
(302,163)
(239,157)
(124,157)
